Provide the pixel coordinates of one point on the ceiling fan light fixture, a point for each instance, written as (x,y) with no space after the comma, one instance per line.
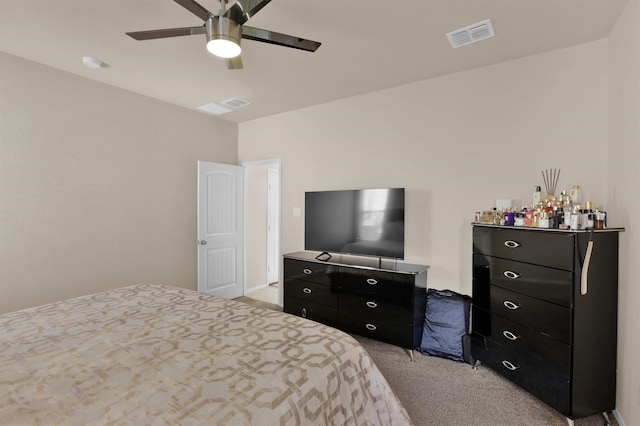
(223,48)
(223,37)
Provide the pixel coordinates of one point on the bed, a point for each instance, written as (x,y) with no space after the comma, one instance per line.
(153,354)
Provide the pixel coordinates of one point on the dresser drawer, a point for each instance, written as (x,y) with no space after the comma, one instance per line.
(307,290)
(547,318)
(532,374)
(310,271)
(375,308)
(394,333)
(384,285)
(552,249)
(553,285)
(314,311)
(520,339)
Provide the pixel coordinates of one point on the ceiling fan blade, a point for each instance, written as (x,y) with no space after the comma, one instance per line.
(234,63)
(273,37)
(242,10)
(195,8)
(165,33)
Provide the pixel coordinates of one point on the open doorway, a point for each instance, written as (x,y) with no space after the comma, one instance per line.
(262,231)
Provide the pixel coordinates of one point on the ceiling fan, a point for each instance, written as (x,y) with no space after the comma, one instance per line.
(225,30)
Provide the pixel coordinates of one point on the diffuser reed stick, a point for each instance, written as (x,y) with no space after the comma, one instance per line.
(550,178)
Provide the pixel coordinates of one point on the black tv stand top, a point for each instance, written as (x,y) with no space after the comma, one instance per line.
(360,262)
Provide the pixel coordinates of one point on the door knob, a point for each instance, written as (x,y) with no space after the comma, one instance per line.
(201,242)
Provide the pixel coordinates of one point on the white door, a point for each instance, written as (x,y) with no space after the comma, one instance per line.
(273,225)
(220,229)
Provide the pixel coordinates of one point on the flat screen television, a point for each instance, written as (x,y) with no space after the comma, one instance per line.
(364,222)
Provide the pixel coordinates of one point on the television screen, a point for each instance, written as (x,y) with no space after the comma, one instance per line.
(366,222)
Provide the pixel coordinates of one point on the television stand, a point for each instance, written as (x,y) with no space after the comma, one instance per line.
(375,298)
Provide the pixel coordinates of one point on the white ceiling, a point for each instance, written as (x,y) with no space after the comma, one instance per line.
(367,45)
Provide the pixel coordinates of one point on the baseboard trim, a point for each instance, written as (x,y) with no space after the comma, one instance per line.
(618,417)
(254,289)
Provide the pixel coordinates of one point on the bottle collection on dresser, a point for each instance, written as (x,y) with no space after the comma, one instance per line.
(568,210)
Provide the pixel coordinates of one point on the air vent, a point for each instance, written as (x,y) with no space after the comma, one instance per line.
(214,109)
(235,103)
(471,34)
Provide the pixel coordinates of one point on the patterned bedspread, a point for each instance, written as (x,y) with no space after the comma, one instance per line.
(157,355)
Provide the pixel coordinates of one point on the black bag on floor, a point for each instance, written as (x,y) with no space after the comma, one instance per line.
(446,325)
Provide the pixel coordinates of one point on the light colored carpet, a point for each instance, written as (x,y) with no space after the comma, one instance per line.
(260,303)
(440,392)
(437,391)
(265,294)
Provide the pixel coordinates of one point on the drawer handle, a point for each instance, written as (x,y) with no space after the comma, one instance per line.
(306,290)
(307,271)
(510,305)
(372,281)
(304,312)
(512,244)
(371,327)
(372,304)
(509,335)
(509,366)
(511,275)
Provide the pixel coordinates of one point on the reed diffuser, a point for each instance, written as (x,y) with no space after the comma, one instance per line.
(550,178)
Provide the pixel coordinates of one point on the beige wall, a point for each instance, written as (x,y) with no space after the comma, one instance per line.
(97,185)
(624,198)
(456,143)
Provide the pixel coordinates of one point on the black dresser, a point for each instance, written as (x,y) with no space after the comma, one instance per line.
(380,299)
(544,313)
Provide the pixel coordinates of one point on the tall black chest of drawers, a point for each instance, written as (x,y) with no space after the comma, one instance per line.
(381,299)
(544,313)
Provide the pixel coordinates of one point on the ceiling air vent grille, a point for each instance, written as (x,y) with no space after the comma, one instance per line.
(471,34)
(235,103)
(214,109)
(229,105)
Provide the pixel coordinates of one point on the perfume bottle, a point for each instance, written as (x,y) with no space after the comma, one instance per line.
(536,196)
(574,193)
